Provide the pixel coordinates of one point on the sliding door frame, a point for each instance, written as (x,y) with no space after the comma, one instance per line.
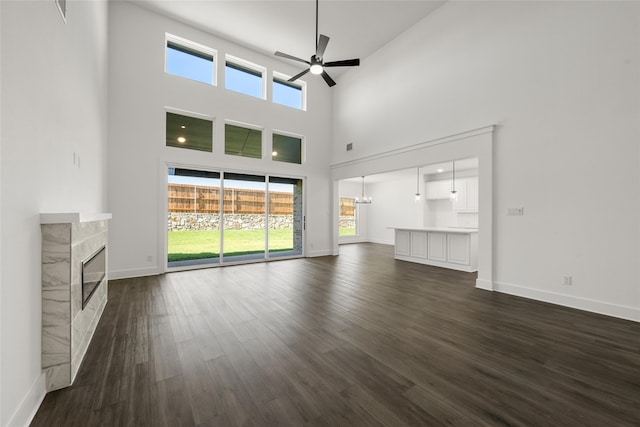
(163,207)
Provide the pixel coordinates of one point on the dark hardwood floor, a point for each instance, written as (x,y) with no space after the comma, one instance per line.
(359,339)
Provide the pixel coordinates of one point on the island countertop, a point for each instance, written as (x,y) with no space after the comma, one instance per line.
(439,229)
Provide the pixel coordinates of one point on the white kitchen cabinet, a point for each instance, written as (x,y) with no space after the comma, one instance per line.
(460,202)
(454,248)
(472,194)
(467,192)
(458,248)
(403,242)
(438,189)
(418,244)
(437,246)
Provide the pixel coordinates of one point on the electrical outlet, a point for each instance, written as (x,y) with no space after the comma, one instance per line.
(515,211)
(567,280)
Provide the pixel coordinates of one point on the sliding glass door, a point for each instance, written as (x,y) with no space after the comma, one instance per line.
(286,220)
(193,217)
(224,217)
(244,217)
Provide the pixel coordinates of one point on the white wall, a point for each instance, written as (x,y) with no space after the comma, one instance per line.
(53,105)
(139,92)
(354,189)
(393,205)
(561,82)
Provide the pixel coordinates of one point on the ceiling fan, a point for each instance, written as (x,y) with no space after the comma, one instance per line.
(316,63)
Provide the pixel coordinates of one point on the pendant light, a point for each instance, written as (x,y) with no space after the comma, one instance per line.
(418,186)
(363,199)
(454,195)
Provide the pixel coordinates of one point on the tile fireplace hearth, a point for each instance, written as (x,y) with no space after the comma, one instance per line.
(68,240)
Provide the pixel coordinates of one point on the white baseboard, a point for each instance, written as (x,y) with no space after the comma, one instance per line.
(614,310)
(30,404)
(487,285)
(136,272)
(349,240)
(381,241)
(326,252)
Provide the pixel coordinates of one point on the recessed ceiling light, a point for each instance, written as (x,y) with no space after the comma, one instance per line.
(440,170)
(183,127)
(274,153)
(182,139)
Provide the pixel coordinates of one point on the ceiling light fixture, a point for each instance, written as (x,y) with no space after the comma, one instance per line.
(182,139)
(363,199)
(274,153)
(454,193)
(418,186)
(316,67)
(440,170)
(316,62)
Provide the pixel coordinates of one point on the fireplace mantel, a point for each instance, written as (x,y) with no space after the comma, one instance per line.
(72,217)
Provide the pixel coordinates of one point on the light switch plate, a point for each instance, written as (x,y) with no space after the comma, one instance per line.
(515,211)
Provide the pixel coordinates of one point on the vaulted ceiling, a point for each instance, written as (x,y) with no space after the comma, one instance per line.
(356,28)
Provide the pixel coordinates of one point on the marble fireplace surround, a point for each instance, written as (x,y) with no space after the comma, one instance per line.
(68,239)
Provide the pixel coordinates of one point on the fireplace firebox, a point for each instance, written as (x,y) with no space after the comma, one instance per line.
(93,272)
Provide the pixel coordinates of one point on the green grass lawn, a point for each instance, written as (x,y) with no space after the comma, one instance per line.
(347,231)
(189,245)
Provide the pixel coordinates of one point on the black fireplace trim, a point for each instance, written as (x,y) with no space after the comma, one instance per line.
(87,298)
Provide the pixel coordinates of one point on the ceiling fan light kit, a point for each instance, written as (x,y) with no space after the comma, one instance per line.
(316,62)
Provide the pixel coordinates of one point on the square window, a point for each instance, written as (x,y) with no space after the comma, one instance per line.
(241,141)
(189,132)
(287,93)
(287,149)
(190,60)
(244,78)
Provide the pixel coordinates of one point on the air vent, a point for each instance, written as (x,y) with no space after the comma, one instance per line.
(350,146)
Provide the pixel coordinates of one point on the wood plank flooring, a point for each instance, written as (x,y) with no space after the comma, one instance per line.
(360,339)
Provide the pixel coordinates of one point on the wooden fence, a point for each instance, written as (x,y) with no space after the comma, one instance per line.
(347,207)
(201,199)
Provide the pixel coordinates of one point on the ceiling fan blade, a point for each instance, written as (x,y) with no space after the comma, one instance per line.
(297,76)
(322,45)
(293,58)
(328,79)
(343,63)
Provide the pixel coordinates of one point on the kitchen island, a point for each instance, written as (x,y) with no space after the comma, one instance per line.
(447,247)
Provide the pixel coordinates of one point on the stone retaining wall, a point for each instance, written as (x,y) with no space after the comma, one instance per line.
(204,221)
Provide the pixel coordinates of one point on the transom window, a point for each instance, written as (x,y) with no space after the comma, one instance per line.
(190,60)
(189,132)
(242,141)
(287,149)
(244,77)
(290,94)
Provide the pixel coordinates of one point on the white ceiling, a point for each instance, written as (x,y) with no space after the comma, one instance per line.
(356,28)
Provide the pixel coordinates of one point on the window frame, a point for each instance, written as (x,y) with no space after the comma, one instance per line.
(196,48)
(250,68)
(246,126)
(284,80)
(193,115)
(356,213)
(292,135)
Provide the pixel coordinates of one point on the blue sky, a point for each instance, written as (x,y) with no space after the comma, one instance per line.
(200,69)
